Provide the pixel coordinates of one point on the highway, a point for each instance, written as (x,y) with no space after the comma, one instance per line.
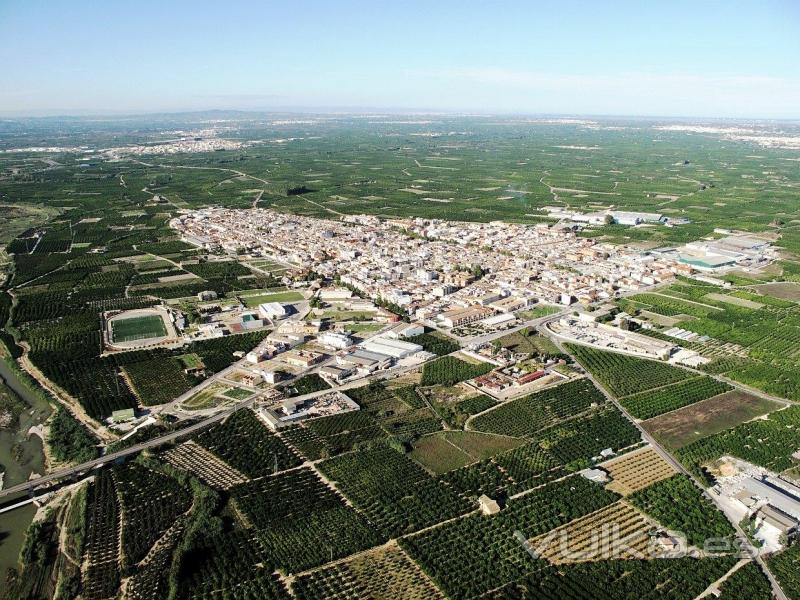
(87,466)
(172,436)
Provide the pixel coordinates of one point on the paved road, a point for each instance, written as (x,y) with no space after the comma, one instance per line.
(169,437)
(83,467)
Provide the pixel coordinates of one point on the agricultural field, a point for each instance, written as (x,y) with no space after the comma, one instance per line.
(636,470)
(383,573)
(157,380)
(677,504)
(151,501)
(400,411)
(750,582)
(528,342)
(646,405)
(506,474)
(454,404)
(620,579)
(395,493)
(576,442)
(301,534)
(195,459)
(489,556)
(707,417)
(449,370)
(768,442)
(435,342)
(760,331)
(553,452)
(786,291)
(527,416)
(342,432)
(624,375)
(438,455)
(475,405)
(102,575)
(445,451)
(244,443)
(785,567)
(577,541)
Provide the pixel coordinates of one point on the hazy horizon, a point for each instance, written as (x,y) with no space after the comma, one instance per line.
(712,60)
(376,112)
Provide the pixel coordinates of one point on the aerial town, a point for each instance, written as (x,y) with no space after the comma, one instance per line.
(434,269)
(416,301)
(419,381)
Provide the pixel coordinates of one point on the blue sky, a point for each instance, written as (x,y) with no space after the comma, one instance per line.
(681,58)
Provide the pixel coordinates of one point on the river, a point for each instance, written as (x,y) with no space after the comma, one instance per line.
(21,455)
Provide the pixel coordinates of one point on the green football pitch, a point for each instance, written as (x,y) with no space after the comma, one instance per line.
(137,328)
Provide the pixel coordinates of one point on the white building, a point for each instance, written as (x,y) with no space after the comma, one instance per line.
(390,347)
(426,276)
(405,330)
(340,341)
(624,217)
(337,373)
(271,377)
(271,310)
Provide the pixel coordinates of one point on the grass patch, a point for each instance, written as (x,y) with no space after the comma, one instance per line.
(438,456)
(137,328)
(707,417)
(254,301)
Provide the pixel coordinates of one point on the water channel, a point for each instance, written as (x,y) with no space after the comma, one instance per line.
(20,454)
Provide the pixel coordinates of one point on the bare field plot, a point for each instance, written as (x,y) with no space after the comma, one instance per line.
(707,417)
(529,342)
(743,302)
(288,296)
(637,470)
(783,290)
(208,397)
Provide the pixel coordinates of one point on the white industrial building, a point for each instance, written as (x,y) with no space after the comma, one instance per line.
(340,341)
(624,217)
(778,493)
(405,330)
(337,373)
(363,361)
(394,348)
(271,310)
(498,319)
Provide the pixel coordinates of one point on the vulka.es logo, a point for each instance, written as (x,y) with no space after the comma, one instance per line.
(609,542)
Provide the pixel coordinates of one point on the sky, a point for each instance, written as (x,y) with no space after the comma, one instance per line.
(646,58)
